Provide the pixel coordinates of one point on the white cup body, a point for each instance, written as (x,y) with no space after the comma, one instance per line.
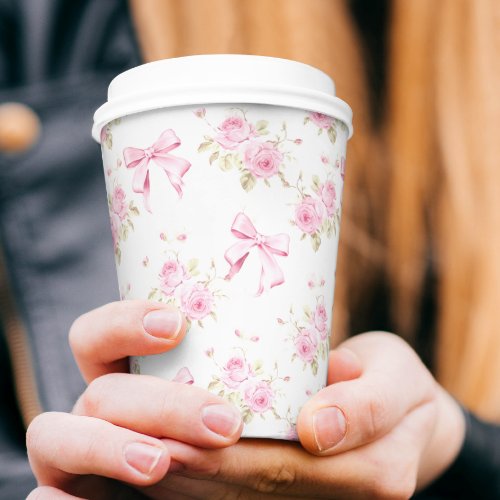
(231,212)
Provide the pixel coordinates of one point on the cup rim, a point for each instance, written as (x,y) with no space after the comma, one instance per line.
(227,79)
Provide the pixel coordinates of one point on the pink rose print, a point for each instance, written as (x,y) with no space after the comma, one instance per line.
(233,131)
(236,371)
(172,274)
(263,159)
(259,396)
(321,120)
(308,215)
(267,247)
(341,165)
(184,376)
(115,230)
(320,321)
(306,345)
(329,197)
(158,153)
(118,203)
(197,301)
(291,434)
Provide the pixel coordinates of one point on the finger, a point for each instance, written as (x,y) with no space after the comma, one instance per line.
(49,493)
(352,413)
(160,408)
(61,446)
(343,364)
(102,339)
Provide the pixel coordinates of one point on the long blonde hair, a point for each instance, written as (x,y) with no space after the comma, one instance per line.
(422,190)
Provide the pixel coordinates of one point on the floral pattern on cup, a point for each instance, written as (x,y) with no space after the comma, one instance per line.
(237,143)
(309,335)
(247,385)
(120,212)
(324,123)
(107,134)
(317,212)
(180,284)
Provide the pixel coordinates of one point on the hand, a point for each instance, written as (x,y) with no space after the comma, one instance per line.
(401,429)
(114,434)
(381,429)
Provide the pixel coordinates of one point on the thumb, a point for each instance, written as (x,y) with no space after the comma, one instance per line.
(355,411)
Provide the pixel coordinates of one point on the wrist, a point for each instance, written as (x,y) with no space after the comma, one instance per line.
(446,440)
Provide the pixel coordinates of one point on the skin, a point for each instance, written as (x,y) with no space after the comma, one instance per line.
(402,429)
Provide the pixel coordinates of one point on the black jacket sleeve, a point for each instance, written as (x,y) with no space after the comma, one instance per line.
(475,474)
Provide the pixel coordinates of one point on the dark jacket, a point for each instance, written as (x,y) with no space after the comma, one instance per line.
(57,57)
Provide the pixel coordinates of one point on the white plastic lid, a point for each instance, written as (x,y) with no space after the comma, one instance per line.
(221,78)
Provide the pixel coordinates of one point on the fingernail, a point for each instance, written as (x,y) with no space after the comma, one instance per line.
(163,323)
(329,425)
(224,420)
(143,457)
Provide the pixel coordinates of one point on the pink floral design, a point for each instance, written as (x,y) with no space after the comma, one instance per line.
(235,146)
(341,166)
(106,135)
(253,390)
(236,371)
(115,230)
(324,123)
(179,284)
(309,215)
(120,213)
(118,203)
(172,274)
(329,197)
(263,159)
(309,335)
(259,396)
(317,212)
(233,131)
(306,344)
(320,320)
(197,301)
(321,120)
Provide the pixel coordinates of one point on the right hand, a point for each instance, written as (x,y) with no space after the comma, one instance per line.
(110,445)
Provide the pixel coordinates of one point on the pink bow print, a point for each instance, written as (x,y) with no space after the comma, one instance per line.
(267,246)
(173,166)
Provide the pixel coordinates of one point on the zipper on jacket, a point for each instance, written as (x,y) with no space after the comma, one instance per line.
(18,344)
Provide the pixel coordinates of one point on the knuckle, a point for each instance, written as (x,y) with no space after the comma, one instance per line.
(91,402)
(276,478)
(167,405)
(375,415)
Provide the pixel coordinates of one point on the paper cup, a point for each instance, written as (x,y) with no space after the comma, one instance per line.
(224,177)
